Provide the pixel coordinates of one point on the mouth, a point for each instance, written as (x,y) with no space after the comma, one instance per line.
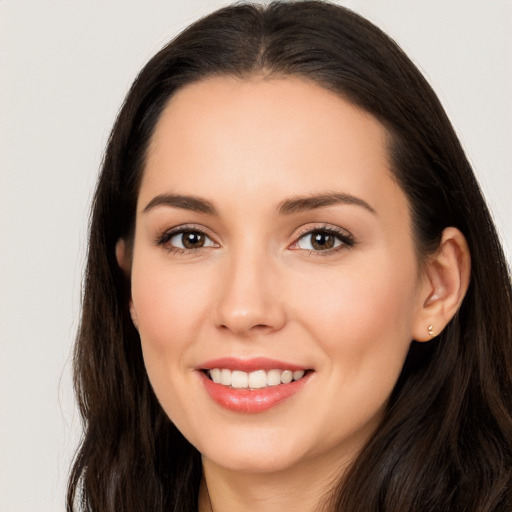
(254,385)
(258,379)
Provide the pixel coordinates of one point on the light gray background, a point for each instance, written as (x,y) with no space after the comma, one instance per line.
(64,69)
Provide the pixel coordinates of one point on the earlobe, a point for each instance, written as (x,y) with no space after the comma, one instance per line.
(133,314)
(445,282)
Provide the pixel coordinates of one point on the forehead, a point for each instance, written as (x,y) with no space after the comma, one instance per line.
(279,136)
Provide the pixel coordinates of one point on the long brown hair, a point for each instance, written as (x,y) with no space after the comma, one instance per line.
(445,443)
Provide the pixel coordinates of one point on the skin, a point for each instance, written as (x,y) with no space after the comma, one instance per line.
(258,288)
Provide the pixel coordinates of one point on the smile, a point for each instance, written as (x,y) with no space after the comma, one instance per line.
(252,385)
(258,379)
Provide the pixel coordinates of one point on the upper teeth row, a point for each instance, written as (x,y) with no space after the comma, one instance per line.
(255,380)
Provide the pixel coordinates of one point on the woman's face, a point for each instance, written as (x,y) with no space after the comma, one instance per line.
(272,243)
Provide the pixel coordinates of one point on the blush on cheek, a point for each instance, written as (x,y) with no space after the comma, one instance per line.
(355,314)
(160,310)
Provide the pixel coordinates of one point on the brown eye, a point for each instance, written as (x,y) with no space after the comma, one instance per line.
(192,239)
(320,240)
(188,239)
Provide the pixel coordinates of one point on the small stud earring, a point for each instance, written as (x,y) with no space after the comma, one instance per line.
(430,330)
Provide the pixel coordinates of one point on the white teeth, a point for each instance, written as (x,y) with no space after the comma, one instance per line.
(286,377)
(215,375)
(239,379)
(225,377)
(273,377)
(253,380)
(298,374)
(257,379)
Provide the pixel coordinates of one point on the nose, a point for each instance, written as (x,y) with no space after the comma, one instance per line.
(249,299)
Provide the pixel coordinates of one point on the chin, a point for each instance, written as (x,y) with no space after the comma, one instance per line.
(250,462)
(257,453)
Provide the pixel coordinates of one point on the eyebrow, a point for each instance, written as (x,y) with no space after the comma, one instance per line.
(300,204)
(287,207)
(192,203)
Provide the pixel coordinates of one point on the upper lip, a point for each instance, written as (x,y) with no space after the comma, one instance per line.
(249,365)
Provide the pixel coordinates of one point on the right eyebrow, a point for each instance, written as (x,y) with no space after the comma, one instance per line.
(192,203)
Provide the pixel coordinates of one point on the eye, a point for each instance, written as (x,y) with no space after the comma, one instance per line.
(324,240)
(186,239)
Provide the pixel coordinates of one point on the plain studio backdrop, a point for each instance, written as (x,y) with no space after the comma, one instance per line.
(64,70)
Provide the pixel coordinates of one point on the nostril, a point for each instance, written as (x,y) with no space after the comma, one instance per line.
(254,328)
(256,317)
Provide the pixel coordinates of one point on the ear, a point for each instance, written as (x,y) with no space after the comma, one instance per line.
(445,282)
(124,262)
(122,257)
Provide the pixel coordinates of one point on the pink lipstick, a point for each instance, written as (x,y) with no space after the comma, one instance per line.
(251,385)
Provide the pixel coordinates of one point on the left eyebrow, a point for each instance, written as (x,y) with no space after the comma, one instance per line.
(301,204)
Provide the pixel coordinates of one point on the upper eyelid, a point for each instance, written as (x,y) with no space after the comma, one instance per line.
(307,229)
(186,227)
(170,232)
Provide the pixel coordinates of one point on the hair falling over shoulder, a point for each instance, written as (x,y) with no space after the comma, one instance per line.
(445,443)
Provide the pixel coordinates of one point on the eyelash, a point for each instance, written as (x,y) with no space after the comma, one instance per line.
(344,237)
(163,240)
(346,240)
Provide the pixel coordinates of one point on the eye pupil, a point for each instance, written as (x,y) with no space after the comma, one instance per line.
(322,241)
(192,239)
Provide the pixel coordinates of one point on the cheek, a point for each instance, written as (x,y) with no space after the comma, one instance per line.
(168,304)
(362,323)
(171,308)
(362,319)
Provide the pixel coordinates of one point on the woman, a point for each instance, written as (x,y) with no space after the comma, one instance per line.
(295,297)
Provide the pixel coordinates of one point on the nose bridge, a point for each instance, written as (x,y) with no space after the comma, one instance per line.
(248,298)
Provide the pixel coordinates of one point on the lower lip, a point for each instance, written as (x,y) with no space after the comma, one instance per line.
(251,401)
